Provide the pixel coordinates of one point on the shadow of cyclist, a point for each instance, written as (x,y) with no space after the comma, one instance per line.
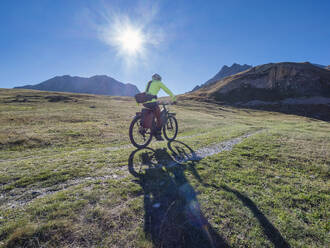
(173,217)
(172,214)
(272,233)
(269,229)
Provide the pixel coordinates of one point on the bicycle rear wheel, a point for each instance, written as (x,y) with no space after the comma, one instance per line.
(139,136)
(170,129)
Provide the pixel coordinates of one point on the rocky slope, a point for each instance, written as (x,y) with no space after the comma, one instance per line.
(101,85)
(269,82)
(295,88)
(225,72)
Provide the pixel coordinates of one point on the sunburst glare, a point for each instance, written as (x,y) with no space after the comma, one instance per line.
(130,40)
(132,37)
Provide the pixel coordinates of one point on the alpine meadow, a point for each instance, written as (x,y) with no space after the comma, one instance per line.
(70,178)
(164,124)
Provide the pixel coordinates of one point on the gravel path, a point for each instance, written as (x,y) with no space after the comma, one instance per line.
(223,146)
(114,148)
(21,196)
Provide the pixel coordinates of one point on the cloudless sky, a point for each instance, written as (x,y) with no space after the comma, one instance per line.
(40,39)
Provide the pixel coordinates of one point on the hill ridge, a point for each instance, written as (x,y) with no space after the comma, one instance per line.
(97,84)
(285,79)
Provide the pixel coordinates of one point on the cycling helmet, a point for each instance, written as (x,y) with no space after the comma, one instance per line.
(156,77)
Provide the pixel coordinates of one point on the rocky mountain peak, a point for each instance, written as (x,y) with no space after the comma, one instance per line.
(298,88)
(225,71)
(271,82)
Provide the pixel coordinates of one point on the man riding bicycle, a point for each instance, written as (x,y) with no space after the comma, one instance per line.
(153,88)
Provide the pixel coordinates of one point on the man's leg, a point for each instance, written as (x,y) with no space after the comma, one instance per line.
(158,134)
(158,118)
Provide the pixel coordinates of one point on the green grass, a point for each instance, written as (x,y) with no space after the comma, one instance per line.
(64,179)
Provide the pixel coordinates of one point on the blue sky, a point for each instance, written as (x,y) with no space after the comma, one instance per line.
(191,40)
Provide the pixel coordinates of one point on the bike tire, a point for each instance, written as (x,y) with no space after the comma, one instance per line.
(131,135)
(176,128)
(136,169)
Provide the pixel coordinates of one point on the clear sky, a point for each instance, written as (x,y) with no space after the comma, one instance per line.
(186,42)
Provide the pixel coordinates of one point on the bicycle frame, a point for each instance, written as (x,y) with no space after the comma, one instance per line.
(165,114)
(147,129)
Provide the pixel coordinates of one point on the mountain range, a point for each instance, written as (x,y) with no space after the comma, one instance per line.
(101,85)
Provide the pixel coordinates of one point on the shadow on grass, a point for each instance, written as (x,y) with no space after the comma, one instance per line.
(173,217)
(172,214)
(270,231)
(312,111)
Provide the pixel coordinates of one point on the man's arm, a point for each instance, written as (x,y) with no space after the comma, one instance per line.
(167,90)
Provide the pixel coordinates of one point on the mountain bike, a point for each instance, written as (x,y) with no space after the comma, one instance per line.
(143,126)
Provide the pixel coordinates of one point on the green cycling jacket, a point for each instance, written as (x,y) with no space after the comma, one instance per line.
(154,88)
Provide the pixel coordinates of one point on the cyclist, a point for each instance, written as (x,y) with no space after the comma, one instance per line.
(153,88)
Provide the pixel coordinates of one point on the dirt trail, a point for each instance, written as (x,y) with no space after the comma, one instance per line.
(21,197)
(223,146)
(110,149)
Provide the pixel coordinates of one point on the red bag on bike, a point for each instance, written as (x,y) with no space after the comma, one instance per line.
(147,118)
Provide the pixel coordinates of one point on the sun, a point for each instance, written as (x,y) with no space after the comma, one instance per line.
(130,40)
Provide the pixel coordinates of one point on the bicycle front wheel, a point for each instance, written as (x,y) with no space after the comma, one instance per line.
(170,129)
(139,136)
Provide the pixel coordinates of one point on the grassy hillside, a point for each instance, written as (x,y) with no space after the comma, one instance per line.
(69,177)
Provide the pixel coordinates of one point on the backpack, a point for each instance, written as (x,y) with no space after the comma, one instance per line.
(144,96)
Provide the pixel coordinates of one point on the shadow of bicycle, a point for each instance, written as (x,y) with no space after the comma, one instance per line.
(173,217)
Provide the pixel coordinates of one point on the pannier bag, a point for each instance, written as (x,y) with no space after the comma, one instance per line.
(144,96)
(147,118)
